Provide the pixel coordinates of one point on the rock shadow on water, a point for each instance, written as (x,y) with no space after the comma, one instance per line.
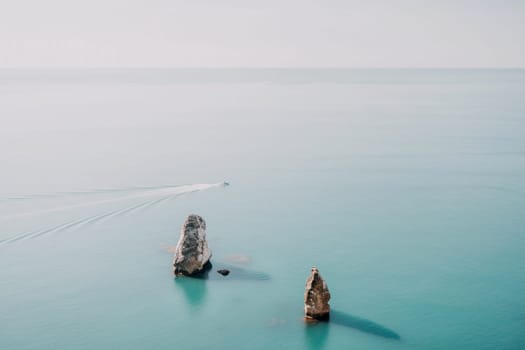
(316,334)
(193,288)
(236,273)
(362,324)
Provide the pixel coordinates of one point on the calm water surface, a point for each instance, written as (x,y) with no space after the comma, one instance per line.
(404,187)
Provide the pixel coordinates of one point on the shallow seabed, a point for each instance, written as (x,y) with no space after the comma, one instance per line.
(404,187)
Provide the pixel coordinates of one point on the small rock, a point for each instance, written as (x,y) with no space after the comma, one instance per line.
(192,255)
(224,272)
(316,297)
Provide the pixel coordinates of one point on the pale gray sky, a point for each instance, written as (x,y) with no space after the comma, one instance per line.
(264,33)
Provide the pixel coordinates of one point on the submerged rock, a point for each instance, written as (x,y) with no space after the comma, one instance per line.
(192,255)
(224,272)
(316,297)
(238,259)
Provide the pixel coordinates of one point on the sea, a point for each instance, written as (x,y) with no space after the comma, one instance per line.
(404,187)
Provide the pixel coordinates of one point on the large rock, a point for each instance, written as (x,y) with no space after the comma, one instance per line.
(192,255)
(316,297)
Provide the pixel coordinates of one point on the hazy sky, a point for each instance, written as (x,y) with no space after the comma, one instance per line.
(286,33)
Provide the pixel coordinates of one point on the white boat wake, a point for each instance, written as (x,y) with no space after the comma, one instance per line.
(165,193)
(155,192)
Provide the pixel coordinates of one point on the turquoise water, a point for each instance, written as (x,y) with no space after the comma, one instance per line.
(404,187)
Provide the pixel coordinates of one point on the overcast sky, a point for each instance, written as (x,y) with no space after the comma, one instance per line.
(264,33)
